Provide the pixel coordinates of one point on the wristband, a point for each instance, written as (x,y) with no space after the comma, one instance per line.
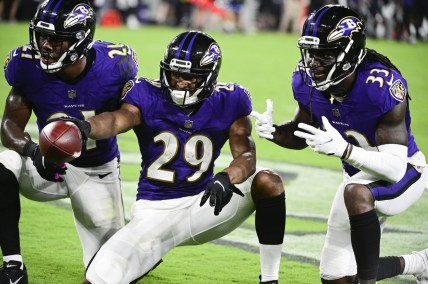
(347,152)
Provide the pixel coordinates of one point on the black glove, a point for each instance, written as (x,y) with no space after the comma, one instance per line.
(220,191)
(48,170)
(83,125)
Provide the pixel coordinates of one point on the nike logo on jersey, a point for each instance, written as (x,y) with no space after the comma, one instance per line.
(390,81)
(101,176)
(220,184)
(17,280)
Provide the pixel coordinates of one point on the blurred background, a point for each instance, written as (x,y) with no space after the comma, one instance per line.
(400,20)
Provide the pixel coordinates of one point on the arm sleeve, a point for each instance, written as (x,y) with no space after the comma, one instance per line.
(388,164)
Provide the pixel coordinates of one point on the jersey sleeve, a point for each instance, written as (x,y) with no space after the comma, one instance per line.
(129,93)
(138,92)
(11,67)
(128,65)
(386,88)
(230,99)
(397,90)
(300,90)
(117,62)
(244,105)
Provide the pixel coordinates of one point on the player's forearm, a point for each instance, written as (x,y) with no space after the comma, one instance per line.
(388,164)
(13,137)
(104,126)
(241,167)
(16,115)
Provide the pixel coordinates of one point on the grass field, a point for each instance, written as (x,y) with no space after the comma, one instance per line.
(263,63)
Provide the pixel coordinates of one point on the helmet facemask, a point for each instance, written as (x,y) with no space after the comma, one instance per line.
(189,70)
(339,61)
(201,82)
(69,34)
(332,46)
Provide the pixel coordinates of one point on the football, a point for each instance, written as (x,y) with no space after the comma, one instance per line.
(60,141)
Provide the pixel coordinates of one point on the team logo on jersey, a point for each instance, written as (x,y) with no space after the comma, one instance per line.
(128,86)
(336,112)
(345,28)
(188,124)
(79,15)
(398,90)
(72,94)
(212,55)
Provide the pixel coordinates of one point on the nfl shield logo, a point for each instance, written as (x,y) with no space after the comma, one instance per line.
(72,94)
(188,124)
(336,112)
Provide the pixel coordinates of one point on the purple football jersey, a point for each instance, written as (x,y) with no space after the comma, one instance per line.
(99,90)
(376,91)
(178,151)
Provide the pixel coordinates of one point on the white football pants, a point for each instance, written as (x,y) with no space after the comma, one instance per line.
(337,258)
(156,227)
(96,200)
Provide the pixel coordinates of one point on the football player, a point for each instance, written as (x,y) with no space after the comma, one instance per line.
(182,120)
(353,104)
(62,72)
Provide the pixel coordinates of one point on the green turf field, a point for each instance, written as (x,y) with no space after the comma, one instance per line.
(263,63)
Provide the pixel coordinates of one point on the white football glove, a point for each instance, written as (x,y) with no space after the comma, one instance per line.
(264,121)
(328,142)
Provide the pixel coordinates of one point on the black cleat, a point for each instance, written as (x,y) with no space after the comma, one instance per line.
(11,273)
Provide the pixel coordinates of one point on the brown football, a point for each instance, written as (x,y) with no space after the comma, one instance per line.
(60,141)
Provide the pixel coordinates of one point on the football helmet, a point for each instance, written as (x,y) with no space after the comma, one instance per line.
(72,21)
(190,55)
(332,45)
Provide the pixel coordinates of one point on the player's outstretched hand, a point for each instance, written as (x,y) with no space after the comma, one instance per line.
(83,125)
(219,191)
(48,170)
(328,142)
(264,121)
